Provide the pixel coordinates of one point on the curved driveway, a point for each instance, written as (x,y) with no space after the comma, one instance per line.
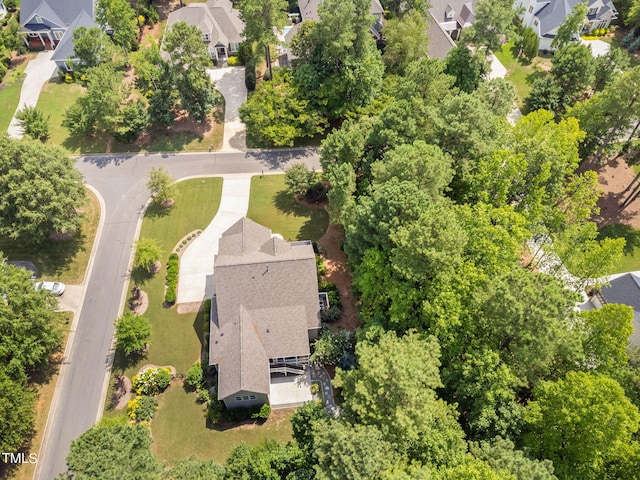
(120,180)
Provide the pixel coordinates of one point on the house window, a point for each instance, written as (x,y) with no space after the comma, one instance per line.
(238,399)
(245,397)
(205,37)
(38,19)
(252,397)
(58,34)
(593,11)
(33,35)
(531,9)
(535,23)
(233,47)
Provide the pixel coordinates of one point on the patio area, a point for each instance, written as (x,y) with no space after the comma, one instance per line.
(290,390)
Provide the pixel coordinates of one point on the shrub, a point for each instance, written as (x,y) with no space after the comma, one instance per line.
(245,52)
(628,38)
(320,266)
(233,61)
(315,388)
(263,413)
(299,179)
(332,293)
(330,347)
(250,79)
(142,409)
(194,377)
(202,395)
(172,278)
(152,381)
(316,193)
(34,123)
(330,315)
(635,45)
(215,409)
(189,237)
(68,78)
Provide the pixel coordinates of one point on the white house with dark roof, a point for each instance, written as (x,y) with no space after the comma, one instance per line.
(545,16)
(219,23)
(264,313)
(623,289)
(50,23)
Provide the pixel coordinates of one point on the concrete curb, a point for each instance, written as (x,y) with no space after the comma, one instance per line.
(74,325)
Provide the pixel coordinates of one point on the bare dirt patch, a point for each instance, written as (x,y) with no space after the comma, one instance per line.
(338,273)
(620,200)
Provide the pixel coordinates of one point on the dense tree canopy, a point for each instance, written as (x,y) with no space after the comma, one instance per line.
(41,190)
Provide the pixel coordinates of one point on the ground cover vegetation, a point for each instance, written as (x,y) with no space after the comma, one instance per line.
(472,361)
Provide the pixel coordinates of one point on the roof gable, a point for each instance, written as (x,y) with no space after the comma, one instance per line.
(60,12)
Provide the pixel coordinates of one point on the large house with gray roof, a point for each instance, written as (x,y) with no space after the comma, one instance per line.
(445,22)
(49,24)
(545,16)
(264,313)
(219,23)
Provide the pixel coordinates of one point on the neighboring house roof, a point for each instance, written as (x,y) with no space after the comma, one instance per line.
(445,11)
(60,12)
(440,42)
(216,18)
(65,50)
(626,290)
(551,13)
(265,303)
(309,9)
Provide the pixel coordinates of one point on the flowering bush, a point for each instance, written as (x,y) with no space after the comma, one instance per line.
(152,381)
(142,409)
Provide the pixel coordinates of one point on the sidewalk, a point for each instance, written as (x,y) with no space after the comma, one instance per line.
(319,374)
(38,72)
(196,264)
(230,82)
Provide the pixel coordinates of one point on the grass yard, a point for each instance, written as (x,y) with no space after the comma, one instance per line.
(175,339)
(56,97)
(270,205)
(521,72)
(65,261)
(631,259)
(10,91)
(179,408)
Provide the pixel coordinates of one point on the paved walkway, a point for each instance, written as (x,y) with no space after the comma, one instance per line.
(196,264)
(38,72)
(319,374)
(599,48)
(230,82)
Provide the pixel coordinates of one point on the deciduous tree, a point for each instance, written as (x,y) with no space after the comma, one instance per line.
(406,41)
(580,423)
(298,178)
(119,16)
(91,46)
(132,333)
(41,191)
(161,185)
(571,26)
(193,468)
(17,411)
(468,68)
(34,123)
(492,18)
(148,252)
(260,17)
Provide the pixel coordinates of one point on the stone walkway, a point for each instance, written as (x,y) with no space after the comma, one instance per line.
(38,72)
(196,263)
(319,374)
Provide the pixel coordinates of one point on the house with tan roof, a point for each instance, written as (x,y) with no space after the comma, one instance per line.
(219,23)
(264,313)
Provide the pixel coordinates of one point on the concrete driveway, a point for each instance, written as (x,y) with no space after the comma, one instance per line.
(196,263)
(230,82)
(38,72)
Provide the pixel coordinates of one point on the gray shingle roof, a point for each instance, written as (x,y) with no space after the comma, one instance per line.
(440,42)
(309,8)
(552,13)
(440,8)
(64,11)
(65,50)
(626,290)
(266,301)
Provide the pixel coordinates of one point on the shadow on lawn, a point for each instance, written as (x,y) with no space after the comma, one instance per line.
(52,257)
(618,230)
(317,218)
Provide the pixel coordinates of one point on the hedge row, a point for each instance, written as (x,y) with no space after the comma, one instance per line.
(172,278)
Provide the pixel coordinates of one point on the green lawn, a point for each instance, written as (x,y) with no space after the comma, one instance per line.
(175,339)
(631,259)
(521,72)
(10,92)
(56,97)
(270,205)
(67,260)
(179,429)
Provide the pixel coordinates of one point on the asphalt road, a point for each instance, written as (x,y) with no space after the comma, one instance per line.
(120,181)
